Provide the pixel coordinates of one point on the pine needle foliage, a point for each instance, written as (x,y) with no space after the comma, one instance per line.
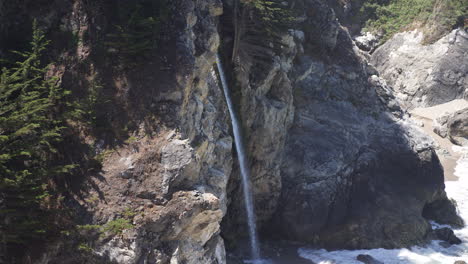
(137,34)
(33,110)
(259,26)
(390,17)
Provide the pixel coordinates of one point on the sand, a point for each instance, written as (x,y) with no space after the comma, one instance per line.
(427,115)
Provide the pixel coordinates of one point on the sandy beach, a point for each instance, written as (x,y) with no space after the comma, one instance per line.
(427,116)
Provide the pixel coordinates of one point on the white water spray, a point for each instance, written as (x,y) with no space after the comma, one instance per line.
(434,253)
(251,221)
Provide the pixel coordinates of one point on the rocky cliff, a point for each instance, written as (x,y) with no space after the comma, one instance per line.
(335,161)
(350,155)
(424,75)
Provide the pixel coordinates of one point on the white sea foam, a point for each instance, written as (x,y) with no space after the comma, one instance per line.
(462,164)
(433,253)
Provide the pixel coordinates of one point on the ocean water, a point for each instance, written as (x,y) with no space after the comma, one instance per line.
(430,254)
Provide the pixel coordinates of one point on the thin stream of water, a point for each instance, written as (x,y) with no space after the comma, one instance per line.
(245,173)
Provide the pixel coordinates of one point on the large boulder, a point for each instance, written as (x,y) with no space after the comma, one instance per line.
(458,127)
(453,125)
(367,259)
(446,234)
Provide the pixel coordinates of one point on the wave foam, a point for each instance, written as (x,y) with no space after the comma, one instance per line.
(431,254)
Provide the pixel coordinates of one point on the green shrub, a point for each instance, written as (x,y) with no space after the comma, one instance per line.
(139,30)
(259,26)
(395,15)
(33,114)
(117,226)
(84,247)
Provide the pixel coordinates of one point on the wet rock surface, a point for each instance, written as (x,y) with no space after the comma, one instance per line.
(446,234)
(368,259)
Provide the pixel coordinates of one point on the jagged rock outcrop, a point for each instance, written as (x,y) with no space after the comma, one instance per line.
(367,41)
(458,127)
(367,259)
(181,179)
(351,156)
(334,159)
(454,126)
(164,189)
(425,75)
(446,234)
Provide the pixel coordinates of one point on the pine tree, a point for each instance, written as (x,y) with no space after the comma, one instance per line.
(31,125)
(259,26)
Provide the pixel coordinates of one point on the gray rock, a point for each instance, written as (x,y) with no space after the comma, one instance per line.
(172,185)
(333,156)
(444,244)
(440,125)
(458,127)
(334,159)
(425,75)
(446,234)
(368,259)
(367,41)
(454,126)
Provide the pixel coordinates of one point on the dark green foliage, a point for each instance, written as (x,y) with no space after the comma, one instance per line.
(137,34)
(94,99)
(395,15)
(117,226)
(259,26)
(88,235)
(32,114)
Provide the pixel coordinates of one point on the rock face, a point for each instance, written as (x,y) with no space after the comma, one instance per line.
(368,259)
(180,180)
(425,75)
(446,234)
(454,125)
(458,127)
(167,182)
(335,161)
(350,158)
(367,41)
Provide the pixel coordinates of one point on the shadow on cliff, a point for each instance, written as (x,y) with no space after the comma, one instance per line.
(355,172)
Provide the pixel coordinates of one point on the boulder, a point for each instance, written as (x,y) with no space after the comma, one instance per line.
(445,234)
(453,125)
(368,259)
(458,127)
(367,41)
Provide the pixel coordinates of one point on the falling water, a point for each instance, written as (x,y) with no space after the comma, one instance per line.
(243,166)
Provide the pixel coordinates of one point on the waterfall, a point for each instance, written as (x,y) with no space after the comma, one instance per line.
(251,221)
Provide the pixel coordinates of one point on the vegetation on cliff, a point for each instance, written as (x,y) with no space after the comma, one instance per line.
(33,114)
(258,25)
(435,16)
(139,30)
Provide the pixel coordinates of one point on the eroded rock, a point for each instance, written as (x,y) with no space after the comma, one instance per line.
(425,75)
(368,259)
